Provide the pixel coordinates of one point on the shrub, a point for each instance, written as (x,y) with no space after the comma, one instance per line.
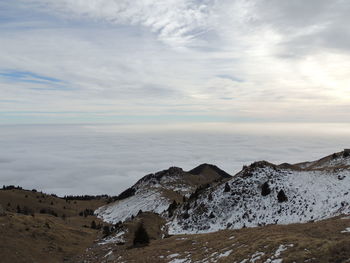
(106,231)
(185,215)
(48,211)
(265,189)
(24,210)
(281,196)
(86,212)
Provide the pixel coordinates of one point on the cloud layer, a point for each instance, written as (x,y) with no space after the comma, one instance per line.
(107,159)
(200,60)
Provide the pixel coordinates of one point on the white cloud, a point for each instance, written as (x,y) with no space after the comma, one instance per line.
(107,159)
(148,61)
(176,22)
(154,58)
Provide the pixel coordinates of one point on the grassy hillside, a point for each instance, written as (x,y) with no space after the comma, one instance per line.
(44,228)
(323,241)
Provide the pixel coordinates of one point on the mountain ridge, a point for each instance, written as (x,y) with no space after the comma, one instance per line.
(155,192)
(291,195)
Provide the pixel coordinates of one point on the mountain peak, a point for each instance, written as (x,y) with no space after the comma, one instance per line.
(205,168)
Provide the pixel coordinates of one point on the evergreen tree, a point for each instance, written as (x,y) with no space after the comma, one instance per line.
(141,236)
(227,188)
(93,224)
(172,208)
(211,215)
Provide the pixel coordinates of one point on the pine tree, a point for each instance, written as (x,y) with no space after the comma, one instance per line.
(281,196)
(141,236)
(172,208)
(211,215)
(227,188)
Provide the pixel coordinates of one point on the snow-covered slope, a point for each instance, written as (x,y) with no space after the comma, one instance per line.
(147,200)
(155,192)
(260,194)
(264,193)
(340,159)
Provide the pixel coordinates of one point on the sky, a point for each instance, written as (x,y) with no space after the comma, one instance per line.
(95,94)
(174,61)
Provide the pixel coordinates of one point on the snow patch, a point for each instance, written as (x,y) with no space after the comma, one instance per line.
(280,249)
(225,254)
(108,254)
(256,256)
(117,238)
(180,260)
(347,230)
(173,255)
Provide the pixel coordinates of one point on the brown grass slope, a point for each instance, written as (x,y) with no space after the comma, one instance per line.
(58,235)
(36,201)
(323,241)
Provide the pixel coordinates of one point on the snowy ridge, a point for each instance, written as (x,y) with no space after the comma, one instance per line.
(153,193)
(170,179)
(336,162)
(307,195)
(122,210)
(340,159)
(262,193)
(148,196)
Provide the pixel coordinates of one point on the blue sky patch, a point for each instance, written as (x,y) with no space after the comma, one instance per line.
(45,82)
(25,76)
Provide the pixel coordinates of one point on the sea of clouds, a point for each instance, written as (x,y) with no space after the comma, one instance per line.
(105,159)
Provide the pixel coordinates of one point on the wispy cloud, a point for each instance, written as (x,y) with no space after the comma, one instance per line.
(280,61)
(176,22)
